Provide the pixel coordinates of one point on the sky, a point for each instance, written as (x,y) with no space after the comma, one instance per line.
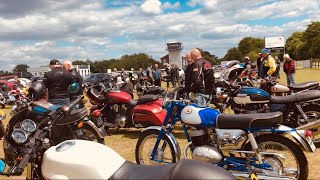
(34,31)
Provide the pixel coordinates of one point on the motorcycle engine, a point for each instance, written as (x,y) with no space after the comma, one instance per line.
(230,139)
(203,149)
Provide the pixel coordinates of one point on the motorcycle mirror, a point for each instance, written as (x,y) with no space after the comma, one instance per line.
(74,88)
(2,165)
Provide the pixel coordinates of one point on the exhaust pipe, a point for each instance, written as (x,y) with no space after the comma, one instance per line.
(310,125)
(244,175)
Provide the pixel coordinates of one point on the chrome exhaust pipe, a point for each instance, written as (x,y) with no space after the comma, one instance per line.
(245,175)
(310,125)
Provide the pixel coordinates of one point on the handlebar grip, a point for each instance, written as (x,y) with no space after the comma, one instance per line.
(75,102)
(23,163)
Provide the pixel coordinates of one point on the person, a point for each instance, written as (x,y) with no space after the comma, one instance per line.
(259,59)
(201,78)
(57,81)
(289,69)
(131,76)
(149,74)
(123,74)
(67,65)
(248,66)
(268,64)
(157,75)
(187,72)
(140,76)
(277,60)
(168,71)
(174,74)
(114,73)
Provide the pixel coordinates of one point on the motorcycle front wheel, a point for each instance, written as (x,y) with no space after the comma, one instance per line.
(294,165)
(164,154)
(88,133)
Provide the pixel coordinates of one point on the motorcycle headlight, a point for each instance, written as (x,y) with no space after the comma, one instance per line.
(19,136)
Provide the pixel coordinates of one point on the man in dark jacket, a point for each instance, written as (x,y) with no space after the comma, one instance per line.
(188,71)
(201,77)
(289,69)
(58,81)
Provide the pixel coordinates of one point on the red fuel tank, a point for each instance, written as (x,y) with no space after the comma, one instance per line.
(117,97)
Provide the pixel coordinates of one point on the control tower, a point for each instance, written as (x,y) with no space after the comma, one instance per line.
(174,49)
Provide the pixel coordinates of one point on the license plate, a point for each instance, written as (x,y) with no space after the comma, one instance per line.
(310,142)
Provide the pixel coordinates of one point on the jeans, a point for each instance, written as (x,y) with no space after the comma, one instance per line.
(290,79)
(203,100)
(60,102)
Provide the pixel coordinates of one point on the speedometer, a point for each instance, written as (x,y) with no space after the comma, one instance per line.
(19,136)
(28,125)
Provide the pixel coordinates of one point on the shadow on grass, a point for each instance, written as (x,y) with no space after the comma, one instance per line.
(134,133)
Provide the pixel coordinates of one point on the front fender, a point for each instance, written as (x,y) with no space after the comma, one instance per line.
(170,136)
(299,136)
(100,131)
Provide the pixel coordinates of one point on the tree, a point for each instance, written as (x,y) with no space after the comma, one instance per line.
(80,62)
(20,68)
(232,54)
(294,45)
(209,57)
(249,44)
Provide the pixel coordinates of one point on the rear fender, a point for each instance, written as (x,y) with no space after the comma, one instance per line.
(100,131)
(170,136)
(299,137)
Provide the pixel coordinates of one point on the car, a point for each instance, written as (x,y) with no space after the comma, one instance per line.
(95,78)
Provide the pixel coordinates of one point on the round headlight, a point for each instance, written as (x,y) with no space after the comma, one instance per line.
(28,125)
(19,136)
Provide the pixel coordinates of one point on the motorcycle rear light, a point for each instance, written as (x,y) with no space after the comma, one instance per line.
(80,125)
(96,113)
(308,133)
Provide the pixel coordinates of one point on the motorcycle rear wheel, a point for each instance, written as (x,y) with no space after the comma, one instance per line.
(276,143)
(144,149)
(88,133)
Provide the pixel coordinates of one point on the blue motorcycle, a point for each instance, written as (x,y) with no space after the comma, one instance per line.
(242,143)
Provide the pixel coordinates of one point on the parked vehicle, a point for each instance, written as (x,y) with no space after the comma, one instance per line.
(239,143)
(79,159)
(120,110)
(2,129)
(146,88)
(11,86)
(96,78)
(3,100)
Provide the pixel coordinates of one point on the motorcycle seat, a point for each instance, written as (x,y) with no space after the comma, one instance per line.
(294,98)
(303,86)
(184,169)
(75,115)
(244,121)
(143,99)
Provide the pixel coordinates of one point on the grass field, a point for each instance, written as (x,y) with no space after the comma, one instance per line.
(124,141)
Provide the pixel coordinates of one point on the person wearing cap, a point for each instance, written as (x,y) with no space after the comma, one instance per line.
(289,69)
(268,64)
(248,66)
(57,81)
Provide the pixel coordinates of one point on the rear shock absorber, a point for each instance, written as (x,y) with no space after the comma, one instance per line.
(304,116)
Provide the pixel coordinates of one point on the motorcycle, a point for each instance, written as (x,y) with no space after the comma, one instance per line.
(79,159)
(2,100)
(146,88)
(239,143)
(2,129)
(120,110)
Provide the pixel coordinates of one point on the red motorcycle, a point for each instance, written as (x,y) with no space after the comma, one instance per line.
(118,109)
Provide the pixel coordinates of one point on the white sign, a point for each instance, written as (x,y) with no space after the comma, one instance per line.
(271,42)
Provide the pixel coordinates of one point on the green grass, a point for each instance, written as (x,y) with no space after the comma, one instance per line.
(124,141)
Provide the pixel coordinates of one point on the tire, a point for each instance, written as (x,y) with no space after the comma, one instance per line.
(88,133)
(2,130)
(308,109)
(139,146)
(296,151)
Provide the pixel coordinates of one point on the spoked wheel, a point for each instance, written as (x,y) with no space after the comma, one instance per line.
(313,114)
(164,154)
(291,161)
(88,133)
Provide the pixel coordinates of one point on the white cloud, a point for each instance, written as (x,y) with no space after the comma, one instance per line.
(168,5)
(151,7)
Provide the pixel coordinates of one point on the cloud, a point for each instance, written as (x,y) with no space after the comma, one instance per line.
(168,5)
(151,7)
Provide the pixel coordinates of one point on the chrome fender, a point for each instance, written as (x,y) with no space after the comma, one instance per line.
(170,136)
(299,136)
(101,131)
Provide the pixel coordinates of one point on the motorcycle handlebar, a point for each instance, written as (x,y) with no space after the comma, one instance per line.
(23,163)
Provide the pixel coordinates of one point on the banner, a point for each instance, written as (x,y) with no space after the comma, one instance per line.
(272,42)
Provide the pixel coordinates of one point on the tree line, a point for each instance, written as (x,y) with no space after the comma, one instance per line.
(300,45)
